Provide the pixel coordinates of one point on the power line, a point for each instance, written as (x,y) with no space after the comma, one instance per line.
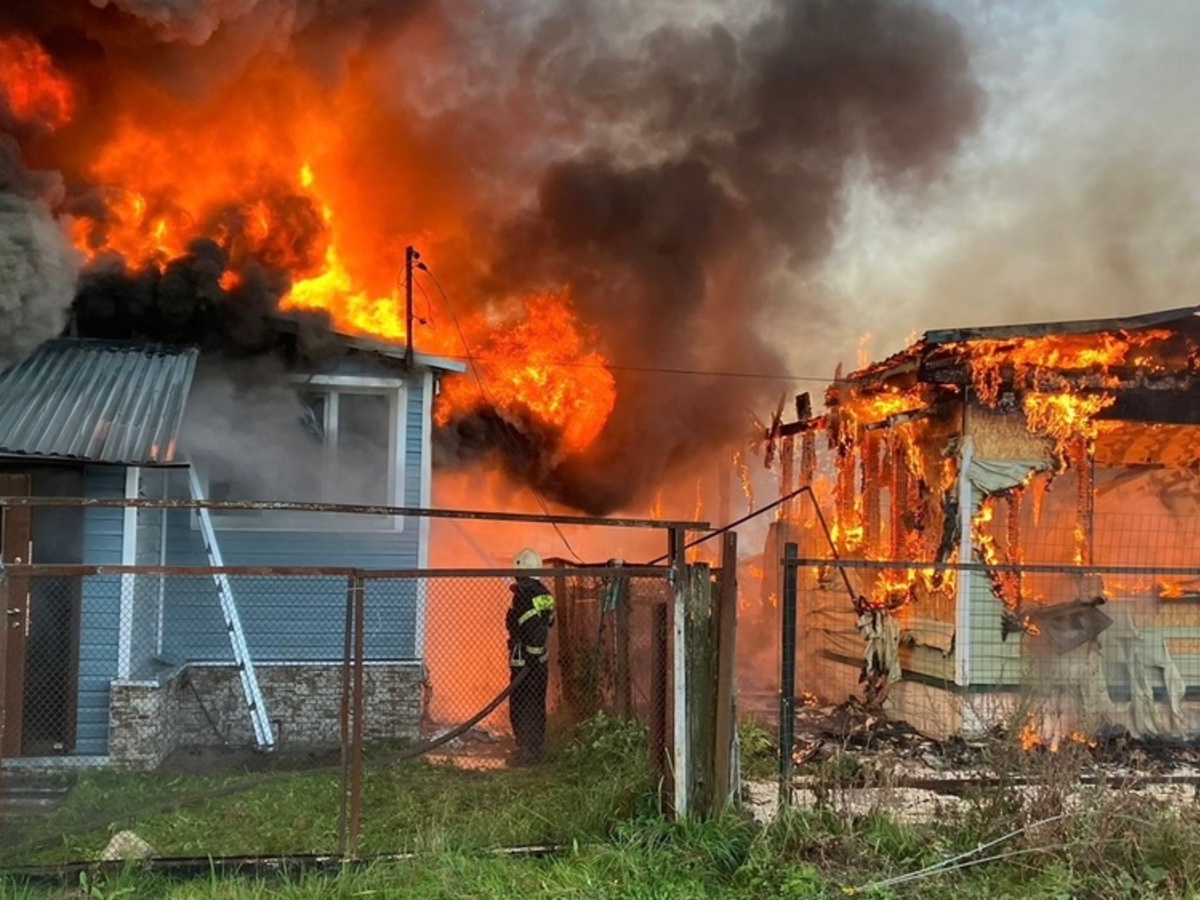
(505,427)
(654,370)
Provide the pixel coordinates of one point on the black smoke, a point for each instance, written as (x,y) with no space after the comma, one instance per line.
(668,169)
(736,150)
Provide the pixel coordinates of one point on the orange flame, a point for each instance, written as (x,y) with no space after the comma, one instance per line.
(539,365)
(1029,736)
(32,88)
(274,171)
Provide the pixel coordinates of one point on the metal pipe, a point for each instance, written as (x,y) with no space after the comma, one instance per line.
(787,674)
(734,524)
(24,570)
(344,508)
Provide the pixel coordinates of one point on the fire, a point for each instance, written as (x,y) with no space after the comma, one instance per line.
(874,406)
(1029,736)
(1027,361)
(539,365)
(1170,590)
(31,86)
(1065,416)
(277,173)
(1006,586)
(864,349)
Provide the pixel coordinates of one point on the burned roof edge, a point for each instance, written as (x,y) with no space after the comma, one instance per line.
(1042,329)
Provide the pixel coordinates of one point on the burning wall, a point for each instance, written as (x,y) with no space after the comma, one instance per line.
(604,193)
(1050,446)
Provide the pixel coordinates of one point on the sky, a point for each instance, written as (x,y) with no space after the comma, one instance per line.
(1074,198)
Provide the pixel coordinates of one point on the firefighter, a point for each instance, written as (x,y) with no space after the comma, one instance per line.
(528,621)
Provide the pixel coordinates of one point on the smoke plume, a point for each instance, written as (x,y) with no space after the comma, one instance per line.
(674,165)
(38,266)
(1076,200)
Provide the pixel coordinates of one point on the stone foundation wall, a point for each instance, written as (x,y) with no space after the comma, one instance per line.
(203,706)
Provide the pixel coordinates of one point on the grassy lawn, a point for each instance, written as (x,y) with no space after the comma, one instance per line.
(580,794)
(594,800)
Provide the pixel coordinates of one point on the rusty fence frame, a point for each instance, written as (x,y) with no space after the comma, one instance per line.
(667,745)
(353,661)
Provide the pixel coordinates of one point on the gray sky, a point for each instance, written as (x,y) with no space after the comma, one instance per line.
(1076,197)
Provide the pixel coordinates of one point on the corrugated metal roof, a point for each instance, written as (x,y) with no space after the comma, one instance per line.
(103,401)
(1041,329)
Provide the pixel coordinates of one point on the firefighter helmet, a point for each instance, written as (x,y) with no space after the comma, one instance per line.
(527,559)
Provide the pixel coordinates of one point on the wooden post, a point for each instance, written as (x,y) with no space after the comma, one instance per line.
(701,694)
(564,615)
(726,715)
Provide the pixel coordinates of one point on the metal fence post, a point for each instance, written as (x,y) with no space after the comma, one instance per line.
(659,682)
(787,673)
(726,725)
(356,760)
(347,649)
(350,811)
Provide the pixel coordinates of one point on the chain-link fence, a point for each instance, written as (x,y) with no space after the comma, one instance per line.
(142,697)
(1055,636)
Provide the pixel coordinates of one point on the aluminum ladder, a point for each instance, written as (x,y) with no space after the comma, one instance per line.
(263,735)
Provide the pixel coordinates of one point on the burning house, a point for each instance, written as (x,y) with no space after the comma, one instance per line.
(1060,459)
(115,666)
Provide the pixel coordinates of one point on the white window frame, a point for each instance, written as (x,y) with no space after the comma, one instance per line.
(332,386)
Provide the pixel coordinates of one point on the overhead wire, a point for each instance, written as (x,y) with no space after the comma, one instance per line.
(505,428)
(714,373)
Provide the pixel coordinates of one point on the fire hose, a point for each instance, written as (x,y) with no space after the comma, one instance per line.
(423,748)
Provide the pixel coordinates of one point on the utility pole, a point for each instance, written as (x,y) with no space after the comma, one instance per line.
(410,255)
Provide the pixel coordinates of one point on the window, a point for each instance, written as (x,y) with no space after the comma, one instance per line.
(355,432)
(341,441)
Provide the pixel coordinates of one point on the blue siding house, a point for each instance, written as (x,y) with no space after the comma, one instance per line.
(126,668)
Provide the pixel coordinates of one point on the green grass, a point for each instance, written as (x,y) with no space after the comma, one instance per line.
(580,794)
(809,854)
(594,800)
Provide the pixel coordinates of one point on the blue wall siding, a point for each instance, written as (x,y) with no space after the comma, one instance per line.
(300,618)
(100,605)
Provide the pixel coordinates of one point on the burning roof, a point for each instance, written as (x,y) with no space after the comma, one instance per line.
(1064,375)
(592,189)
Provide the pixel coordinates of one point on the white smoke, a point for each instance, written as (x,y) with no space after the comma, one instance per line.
(38,272)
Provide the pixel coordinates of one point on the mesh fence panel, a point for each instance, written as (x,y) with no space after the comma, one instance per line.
(147,670)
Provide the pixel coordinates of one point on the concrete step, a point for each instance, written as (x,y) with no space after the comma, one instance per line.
(23,796)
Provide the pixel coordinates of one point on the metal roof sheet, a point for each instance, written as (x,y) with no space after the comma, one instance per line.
(102,401)
(1041,329)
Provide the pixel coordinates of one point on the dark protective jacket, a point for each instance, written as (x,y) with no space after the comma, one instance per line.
(528,621)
